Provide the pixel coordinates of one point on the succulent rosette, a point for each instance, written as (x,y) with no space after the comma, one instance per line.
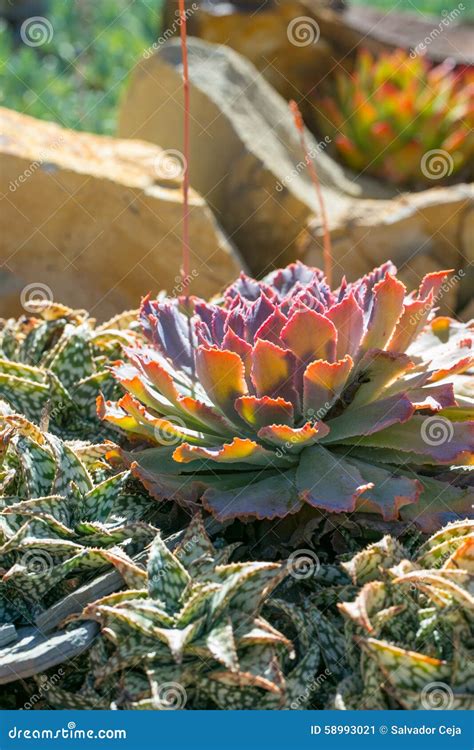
(285,393)
(401,119)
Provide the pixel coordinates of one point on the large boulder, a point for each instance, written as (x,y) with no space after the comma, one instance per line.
(420,232)
(283,40)
(293,43)
(96,222)
(246,156)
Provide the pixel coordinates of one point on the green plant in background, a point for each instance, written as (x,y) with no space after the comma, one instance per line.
(289,395)
(76,77)
(189,631)
(400,119)
(53,365)
(417,7)
(412,624)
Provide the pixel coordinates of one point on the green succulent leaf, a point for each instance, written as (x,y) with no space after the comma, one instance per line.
(167,578)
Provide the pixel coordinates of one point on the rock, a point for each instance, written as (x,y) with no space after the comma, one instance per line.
(96,222)
(293,44)
(467,235)
(280,39)
(466,243)
(33,652)
(467,313)
(419,232)
(245,152)
(435,38)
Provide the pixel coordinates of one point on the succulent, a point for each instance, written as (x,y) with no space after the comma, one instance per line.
(52,366)
(285,394)
(400,119)
(188,631)
(412,624)
(59,503)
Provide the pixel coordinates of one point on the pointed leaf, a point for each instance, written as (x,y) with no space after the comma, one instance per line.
(167,578)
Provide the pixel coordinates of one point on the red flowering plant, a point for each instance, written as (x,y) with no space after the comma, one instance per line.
(286,393)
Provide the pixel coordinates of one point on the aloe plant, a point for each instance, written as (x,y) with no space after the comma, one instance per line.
(60,503)
(412,624)
(53,365)
(401,119)
(188,631)
(287,394)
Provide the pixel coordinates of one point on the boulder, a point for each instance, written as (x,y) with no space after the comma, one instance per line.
(419,232)
(467,313)
(282,40)
(323,30)
(96,222)
(437,38)
(246,157)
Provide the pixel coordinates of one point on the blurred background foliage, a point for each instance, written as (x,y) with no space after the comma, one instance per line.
(77,78)
(429,7)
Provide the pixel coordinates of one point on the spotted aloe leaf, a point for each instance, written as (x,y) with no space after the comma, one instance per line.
(61,506)
(286,393)
(441,545)
(53,365)
(412,619)
(198,624)
(166,576)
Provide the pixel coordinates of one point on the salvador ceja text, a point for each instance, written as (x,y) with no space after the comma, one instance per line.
(443,729)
